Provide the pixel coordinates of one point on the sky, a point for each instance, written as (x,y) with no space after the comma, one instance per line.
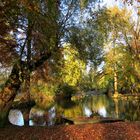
(109,3)
(119,3)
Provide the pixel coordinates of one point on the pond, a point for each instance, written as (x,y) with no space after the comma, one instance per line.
(90,106)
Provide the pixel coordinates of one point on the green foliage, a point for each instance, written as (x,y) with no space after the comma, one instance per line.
(43,93)
(89,81)
(66,90)
(118,57)
(73,67)
(46,88)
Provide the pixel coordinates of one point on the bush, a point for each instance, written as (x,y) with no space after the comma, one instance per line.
(66,90)
(47,88)
(43,93)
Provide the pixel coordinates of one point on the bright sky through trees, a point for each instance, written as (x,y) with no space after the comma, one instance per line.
(119,3)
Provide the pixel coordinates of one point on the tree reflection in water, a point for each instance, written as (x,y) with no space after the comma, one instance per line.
(91,106)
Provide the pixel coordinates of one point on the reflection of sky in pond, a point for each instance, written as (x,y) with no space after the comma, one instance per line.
(31,123)
(87,111)
(51,115)
(37,117)
(52,112)
(15,117)
(102,111)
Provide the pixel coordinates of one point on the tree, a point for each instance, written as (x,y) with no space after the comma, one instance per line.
(37,27)
(119,66)
(73,67)
(32,47)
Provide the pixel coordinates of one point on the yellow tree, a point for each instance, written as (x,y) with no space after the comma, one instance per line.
(117,22)
(73,66)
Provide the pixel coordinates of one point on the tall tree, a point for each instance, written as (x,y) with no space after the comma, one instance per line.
(38,28)
(119,54)
(34,44)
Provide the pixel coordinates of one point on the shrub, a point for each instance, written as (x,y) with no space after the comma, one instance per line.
(43,93)
(66,90)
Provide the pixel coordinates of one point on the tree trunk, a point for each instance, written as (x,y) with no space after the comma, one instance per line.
(115,84)
(116,107)
(29,44)
(115,73)
(8,93)
(13,84)
(27,72)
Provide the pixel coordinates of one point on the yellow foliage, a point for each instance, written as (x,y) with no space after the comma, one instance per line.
(121,14)
(73,66)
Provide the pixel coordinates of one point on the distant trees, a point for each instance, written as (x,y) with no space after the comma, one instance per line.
(119,57)
(112,58)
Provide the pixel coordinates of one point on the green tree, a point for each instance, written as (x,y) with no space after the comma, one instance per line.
(34,43)
(37,27)
(73,67)
(119,66)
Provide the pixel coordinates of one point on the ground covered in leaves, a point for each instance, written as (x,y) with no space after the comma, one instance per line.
(98,131)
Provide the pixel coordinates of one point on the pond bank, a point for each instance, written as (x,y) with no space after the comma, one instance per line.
(98,131)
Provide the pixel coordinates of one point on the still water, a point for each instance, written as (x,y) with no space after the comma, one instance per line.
(95,105)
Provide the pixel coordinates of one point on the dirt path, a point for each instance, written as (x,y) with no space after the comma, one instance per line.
(102,131)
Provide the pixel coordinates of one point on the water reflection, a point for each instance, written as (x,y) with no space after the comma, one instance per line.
(51,116)
(102,112)
(37,117)
(96,105)
(87,111)
(16,117)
